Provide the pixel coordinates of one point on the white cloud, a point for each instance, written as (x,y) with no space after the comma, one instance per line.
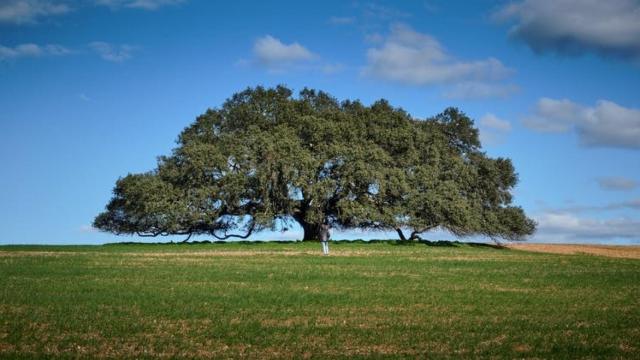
(493,130)
(275,55)
(566,227)
(29,11)
(606,124)
(138,4)
(610,27)
(113,53)
(278,57)
(554,115)
(609,124)
(413,58)
(617,183)
(480,90)
(493,122)
(32,50)
(271,50)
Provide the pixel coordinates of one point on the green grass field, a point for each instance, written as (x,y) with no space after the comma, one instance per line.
(286,301)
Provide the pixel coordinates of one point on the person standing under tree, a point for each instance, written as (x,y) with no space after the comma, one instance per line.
(324,238)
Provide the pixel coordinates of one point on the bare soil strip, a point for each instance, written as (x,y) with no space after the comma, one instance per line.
(620,251)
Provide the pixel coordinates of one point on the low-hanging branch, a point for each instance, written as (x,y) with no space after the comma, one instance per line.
(190,232)
(228,236)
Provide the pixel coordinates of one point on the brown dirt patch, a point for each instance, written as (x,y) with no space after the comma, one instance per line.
(521,348)
(627,252)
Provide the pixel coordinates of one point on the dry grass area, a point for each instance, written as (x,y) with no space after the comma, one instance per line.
(626,252)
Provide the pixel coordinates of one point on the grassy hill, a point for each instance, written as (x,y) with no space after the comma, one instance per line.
(287,301)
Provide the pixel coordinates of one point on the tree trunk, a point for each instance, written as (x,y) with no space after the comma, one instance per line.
(401,234)
(311,231)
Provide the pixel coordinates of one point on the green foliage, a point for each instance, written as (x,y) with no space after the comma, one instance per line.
(266,158)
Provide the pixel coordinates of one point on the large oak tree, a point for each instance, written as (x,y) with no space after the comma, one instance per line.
(266,159)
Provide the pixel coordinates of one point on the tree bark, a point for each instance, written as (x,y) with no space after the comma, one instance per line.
(401,234)
(311,231)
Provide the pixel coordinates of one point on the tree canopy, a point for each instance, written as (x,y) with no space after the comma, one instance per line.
(266,159)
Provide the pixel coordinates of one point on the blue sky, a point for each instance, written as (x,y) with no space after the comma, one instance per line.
(92,90)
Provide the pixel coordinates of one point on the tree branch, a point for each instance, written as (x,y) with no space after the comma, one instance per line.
(415,233)
(188,237)
(227,236)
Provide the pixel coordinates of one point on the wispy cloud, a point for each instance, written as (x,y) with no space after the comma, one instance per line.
(107,51)
(370,18)
(32,50)
(138,4)
(374,38)
(414,58)
(30,11)
(409,57)
(606,124)
(330,69)
(479,90)
(567,227)
(617,183)
(493,130)
(84,97)
(633,204)
(610,28)
(377,13)
(113,53)
(18,12)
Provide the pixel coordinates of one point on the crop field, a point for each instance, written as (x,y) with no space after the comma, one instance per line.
(379,300)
